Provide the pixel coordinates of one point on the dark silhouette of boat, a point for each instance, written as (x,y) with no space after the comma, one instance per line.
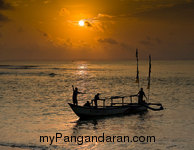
(90,112)
(114,108)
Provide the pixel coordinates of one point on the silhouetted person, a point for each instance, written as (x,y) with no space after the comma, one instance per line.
(140,96)
(87,104)
(75,93)
(96,98)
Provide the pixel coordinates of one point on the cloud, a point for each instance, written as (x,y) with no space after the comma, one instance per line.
(103,17)
(45,34)
(150,41)
(158,40)
(107,40)
(3,18)
(125,46)
(46,2)
(117,45)
(145,9)
(95,23)
(176,11)
(4,6)
(64,12)
(98,22)
(146,42)
(88,23)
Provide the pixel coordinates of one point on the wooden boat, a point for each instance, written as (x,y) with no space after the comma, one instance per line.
(89,112)
(113,109)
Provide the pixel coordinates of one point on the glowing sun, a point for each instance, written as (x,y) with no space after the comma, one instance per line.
(81,23)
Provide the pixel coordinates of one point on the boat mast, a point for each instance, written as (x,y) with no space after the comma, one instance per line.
(149,76)
(137,77)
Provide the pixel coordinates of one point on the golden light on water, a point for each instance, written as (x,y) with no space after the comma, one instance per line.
(82,69)
(81,23)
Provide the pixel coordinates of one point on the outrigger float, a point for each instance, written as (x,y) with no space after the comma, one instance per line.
(118,108)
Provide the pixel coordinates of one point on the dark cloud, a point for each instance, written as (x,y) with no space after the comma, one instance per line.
(4,6)
(88,23)
(147,9)
(149,41)
(181,11)
(20,29)
(45,34)
(64,12)
(3,18)
(158,40)
(146,42)
(124,45)
(116,44)
(108,40)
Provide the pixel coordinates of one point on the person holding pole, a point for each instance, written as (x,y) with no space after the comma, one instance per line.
(96,98)
(75,93)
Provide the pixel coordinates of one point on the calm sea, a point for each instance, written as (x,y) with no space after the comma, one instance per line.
(34,102)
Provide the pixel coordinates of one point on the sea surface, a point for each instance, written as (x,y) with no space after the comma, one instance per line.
(34,99)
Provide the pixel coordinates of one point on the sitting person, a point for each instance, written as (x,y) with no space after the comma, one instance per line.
(87,104)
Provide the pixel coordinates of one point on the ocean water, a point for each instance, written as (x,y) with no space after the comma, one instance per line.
(34,100)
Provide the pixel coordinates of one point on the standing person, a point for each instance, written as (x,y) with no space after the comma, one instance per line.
(140,96)
(75,93)
(96,98)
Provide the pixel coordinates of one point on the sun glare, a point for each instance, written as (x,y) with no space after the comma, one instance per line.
(81,23)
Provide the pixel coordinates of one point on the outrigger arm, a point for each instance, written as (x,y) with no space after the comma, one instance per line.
(147,105)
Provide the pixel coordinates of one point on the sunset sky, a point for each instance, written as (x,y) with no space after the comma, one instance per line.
(110,29)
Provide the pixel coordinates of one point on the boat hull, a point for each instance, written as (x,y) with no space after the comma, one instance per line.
(90,112)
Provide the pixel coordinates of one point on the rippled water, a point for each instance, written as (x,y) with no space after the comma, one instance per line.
(34,97)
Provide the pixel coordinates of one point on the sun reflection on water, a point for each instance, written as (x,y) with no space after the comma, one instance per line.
(82,69)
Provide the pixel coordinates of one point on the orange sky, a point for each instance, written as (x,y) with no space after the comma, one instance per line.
(113,29)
